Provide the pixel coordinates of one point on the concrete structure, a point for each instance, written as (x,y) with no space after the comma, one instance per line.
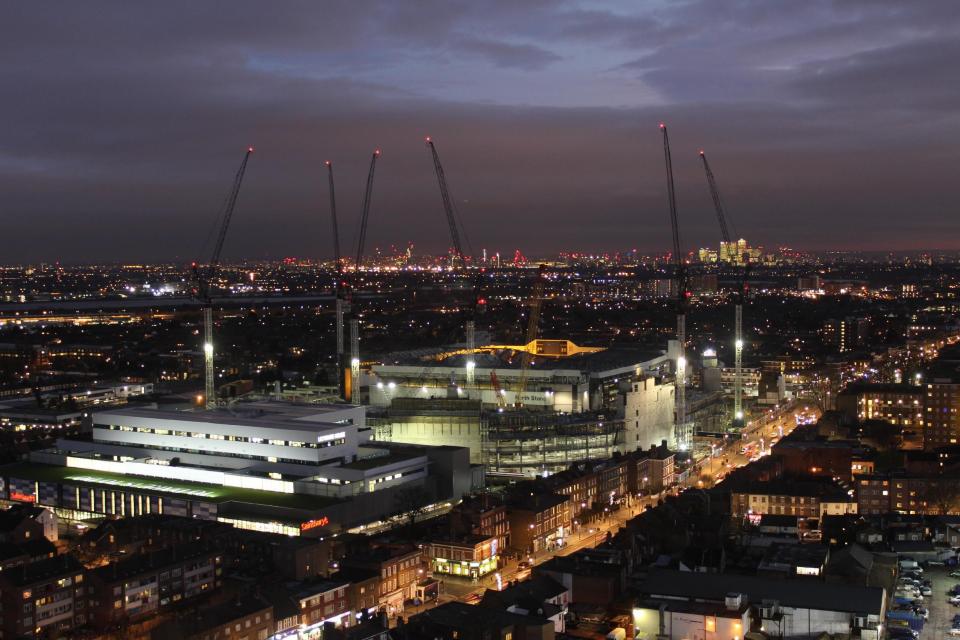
(269,466)
(439,421)
(512,441)
(574,383)
(648,414)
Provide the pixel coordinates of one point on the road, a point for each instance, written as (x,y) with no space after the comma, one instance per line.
(772,425)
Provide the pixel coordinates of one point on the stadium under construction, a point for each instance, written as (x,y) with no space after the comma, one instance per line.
(570,404)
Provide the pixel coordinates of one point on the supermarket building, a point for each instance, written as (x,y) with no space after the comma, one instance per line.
(288,468)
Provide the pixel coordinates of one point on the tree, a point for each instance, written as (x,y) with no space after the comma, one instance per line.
(411,502)
(941,496)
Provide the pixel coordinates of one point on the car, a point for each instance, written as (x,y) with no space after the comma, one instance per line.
(954,600)
(926,591)
(954,631)
(955,574)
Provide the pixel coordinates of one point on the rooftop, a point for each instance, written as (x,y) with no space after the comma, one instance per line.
(457,615)
(41,570)
(175,488)
(210,617)
(140,563)
(790,593)
(393,456)
(286,415)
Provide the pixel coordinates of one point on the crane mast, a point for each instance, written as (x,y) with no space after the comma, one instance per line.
(738,414)
(365,215)
(470,325)
(204,282)
(533,322)
(341,289)
(350,385)
(682,429)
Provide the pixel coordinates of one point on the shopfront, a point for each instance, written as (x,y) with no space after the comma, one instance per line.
(473,557)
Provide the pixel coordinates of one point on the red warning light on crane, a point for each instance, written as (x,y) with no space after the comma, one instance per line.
(428,139)
(249,149)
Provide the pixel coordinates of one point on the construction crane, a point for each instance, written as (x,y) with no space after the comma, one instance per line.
(365,215)
(738,416)
(497,389)
(350,384)
(471,322)
(342,305)
(204,282)
(683,431)
(533,322)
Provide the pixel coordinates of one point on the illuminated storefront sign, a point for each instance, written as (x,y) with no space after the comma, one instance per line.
(22,497)
(312,524)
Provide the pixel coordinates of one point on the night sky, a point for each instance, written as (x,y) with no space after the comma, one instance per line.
(828,124)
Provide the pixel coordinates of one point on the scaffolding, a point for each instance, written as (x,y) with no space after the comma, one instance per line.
(532,443)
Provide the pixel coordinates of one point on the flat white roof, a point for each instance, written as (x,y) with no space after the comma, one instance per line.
(295,417)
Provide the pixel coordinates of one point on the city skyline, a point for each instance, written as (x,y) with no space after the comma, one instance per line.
(128,123)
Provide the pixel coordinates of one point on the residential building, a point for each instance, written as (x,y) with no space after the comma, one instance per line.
(147,583)
(591,580)
(908,493)
(655,472)
(898,404)
(24,522)
(323,602)
(43,597)
(363,590)
(482,514)
(942,416)
(539,521)
(399,569)
(540,595)
(242,618)
(808,498)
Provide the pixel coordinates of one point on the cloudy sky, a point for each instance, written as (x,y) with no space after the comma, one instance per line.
(829,124)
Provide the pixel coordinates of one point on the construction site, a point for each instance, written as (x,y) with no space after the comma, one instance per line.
(528,408)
